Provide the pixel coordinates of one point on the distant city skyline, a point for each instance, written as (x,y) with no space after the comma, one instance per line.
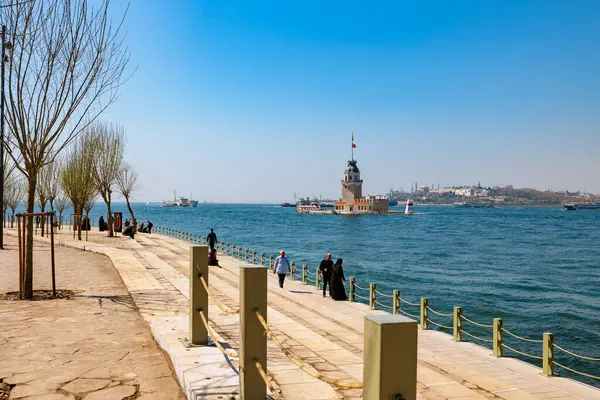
(251,102)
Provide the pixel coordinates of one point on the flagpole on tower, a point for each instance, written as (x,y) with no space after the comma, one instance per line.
(352,146)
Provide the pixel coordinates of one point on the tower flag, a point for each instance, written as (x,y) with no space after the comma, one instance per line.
(353,145)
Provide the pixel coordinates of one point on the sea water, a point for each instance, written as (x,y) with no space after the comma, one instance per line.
(536,268)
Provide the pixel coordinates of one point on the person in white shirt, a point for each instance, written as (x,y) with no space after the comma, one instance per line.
(282,267)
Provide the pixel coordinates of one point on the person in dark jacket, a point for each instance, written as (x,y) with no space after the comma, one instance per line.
(149,226)
(212,239)
(101,224)
(326,268)
(337,286)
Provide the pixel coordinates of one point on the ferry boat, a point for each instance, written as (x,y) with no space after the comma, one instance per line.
(582,206)
(312,208)
(181,202)
(466,204)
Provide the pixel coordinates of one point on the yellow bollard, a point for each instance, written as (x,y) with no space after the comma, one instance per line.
(396,302)
(497,337)
(372,295)
(390,357)
(548,354)
(351,294)
(198,295)
(457,332)
(253,340)
(424,313)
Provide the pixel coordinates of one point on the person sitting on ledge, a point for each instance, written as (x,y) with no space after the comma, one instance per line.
(129,231)
(212,258)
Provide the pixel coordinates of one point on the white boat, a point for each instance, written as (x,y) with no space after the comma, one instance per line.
(312,208)
(181,202)
(193,203)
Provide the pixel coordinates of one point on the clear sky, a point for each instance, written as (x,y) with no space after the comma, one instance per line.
(251,101)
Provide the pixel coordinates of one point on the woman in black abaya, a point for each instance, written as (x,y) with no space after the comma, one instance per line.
(337,286)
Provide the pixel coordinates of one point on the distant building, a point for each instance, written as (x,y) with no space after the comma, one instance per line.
(353,201)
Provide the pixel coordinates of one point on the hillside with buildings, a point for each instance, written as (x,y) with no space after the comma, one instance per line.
(497,195)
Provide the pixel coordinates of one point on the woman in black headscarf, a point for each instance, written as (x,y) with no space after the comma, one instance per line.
(337,286)
(101,224)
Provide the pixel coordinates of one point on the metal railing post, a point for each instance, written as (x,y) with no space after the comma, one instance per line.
(396,302)
(372,295)
(390,357)
(457,325)
(351,287)
(262,259)
(304,274)
(317,278)
(497,337)
(246,251)
(271,263)
(293,270)
(198,295)
(548,354)
(253,340)
(424,313)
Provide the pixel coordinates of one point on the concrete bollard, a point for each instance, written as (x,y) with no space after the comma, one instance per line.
(497,337)
(254,257)
(424,313)
(548,354)
(390,357)
(457,325)
(198,295)
(396,302)
(352,282)
(372,295)
(253,340)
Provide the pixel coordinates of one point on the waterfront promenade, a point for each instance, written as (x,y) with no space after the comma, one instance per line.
(326,335)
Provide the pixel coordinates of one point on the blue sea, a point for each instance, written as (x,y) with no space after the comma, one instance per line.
(537,268)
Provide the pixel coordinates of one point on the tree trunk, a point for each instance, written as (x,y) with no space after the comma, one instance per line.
(28,278)
(60,219)
(42,219)
(111,230)
(130,210)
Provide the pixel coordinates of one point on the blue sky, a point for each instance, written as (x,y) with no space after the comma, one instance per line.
(252,101)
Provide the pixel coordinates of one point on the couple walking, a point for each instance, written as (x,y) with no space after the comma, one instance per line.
(333,275)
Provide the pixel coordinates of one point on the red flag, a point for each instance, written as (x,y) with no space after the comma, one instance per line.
(353,146)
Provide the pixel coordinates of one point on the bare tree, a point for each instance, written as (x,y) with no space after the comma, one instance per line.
(127,184)
(14,194)
(66,64)
(43,182)
(109,144)
(61,203)
(77,178)
(52,182)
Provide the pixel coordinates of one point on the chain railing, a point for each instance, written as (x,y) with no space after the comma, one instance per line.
(376,299)
(300,364)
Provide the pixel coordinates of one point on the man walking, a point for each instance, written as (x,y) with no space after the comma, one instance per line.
(282,267)
(212,239)
(326,268)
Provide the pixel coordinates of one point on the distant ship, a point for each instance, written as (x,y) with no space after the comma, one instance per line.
(582,206)
(466,204)
(286,204)
(181,202)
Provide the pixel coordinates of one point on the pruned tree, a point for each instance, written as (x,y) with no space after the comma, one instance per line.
(14,194)
(61,203)
(127,184)
(77,178)
(109,145)
(64,69)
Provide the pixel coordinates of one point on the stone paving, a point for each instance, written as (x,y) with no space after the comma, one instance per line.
(327,335)
(92,346)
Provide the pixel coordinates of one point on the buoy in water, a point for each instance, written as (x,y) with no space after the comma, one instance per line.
(409,207)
